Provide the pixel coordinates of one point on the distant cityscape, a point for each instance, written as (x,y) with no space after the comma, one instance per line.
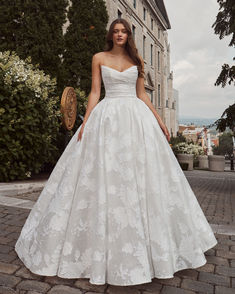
(200,122)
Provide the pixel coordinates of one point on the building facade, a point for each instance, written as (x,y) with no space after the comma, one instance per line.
(149,23)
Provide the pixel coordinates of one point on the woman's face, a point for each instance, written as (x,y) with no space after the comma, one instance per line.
(120,34)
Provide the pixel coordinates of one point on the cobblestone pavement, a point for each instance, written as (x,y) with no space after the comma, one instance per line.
(216,195)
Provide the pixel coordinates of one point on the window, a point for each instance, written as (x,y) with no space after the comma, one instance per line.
(151,93)
(134,3)
(159,33)
(151,24)
(151,54)
(173,105)
(159,95)
(144,47)
(166,102)
(144,13)
(158,61)
(119,14)
(133,31)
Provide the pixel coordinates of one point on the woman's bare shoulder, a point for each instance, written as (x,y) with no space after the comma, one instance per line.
(100,57)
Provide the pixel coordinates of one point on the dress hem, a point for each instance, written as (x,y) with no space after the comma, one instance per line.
(127,284)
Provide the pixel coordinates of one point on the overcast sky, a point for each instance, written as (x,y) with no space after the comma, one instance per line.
(196,58)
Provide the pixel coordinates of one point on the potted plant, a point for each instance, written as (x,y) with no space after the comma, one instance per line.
(187,153)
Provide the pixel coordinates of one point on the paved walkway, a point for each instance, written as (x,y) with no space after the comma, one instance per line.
(215,192)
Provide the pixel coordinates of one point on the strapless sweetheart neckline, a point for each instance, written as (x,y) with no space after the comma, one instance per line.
(118,70)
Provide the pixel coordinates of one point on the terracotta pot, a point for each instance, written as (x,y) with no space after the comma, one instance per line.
(186,158)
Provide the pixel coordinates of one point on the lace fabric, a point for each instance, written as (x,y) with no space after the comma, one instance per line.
(117,208)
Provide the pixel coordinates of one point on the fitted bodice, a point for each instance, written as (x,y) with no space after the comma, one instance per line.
(119,84)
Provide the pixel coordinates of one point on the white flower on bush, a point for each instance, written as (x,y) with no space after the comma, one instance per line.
(22,73)
(186,148)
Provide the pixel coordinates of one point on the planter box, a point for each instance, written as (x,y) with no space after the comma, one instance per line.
(203,161)
(216,162)
(186,158)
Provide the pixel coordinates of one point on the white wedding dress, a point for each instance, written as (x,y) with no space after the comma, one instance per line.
(117,208)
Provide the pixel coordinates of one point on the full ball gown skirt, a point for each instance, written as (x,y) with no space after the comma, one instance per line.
(117,208)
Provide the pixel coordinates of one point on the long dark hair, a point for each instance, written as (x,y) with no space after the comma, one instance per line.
(130,44)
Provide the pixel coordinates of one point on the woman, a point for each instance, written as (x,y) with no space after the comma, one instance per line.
(117,207)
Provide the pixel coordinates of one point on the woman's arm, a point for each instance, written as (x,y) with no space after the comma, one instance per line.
(141,93)
(94,95)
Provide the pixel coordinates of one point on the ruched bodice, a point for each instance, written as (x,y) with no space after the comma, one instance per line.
(119,84)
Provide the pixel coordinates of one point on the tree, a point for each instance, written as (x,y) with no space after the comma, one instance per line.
(34,28)
(227,119)
(85,36)
(225,145)
(225,26)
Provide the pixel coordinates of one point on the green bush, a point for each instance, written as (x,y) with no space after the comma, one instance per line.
(29,118)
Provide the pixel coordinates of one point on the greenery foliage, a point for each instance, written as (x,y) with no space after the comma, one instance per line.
(227,120)
(225,145)
(35,29)
(225,26)
(84,37)
(179,138)
(29,117)
(188,148)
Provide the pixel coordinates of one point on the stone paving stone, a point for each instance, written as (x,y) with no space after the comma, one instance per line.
(7,290)
(5,248)
(210,252)
(18,262)
(225,254)
(13,229)
(225,271)
(222,247)
(188,273)
(55,280)
(227,242)
(8,281)
(152,287)
(171,282)
(121,290)
(7,268)
(94,292)
(214,279)
(6,258)
(13,253)
(197,286)
(60,289)
(173,290)
(223,290)
(208,267)
(33,286)
(14,235)
(26,274)
(12,243)
(86,285)
(5,240)
(217,260)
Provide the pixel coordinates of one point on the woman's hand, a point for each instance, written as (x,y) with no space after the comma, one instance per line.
(80,132)
(166,132)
